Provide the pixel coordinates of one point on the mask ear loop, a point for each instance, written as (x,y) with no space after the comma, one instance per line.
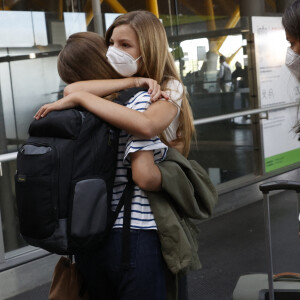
(137,58)
(292,56)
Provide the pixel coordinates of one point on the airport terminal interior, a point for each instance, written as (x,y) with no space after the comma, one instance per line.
(244,123)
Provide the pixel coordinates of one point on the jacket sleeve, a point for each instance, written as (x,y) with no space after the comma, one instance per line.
(188,185)
(187,192)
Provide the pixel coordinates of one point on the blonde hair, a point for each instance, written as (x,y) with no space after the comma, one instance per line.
(158,62)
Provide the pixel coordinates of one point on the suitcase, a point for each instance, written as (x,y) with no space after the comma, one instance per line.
(283,286)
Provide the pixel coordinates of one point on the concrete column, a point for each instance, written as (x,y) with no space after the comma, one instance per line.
(98,24)
(252,8)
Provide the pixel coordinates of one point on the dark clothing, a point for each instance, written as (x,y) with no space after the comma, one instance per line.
(238,72)
(106,279)
(239,78)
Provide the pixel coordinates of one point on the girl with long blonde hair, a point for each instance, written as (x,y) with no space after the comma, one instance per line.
(158,63)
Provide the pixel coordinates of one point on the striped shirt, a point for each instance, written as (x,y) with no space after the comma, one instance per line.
(141,214)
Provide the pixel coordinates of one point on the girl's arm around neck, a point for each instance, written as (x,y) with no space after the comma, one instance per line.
(106,87)
(146,124)
(102,87)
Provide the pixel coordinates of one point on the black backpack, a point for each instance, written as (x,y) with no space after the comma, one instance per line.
(64,180)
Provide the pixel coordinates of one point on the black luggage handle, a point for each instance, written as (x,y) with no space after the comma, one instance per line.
(266,188)
(280,185)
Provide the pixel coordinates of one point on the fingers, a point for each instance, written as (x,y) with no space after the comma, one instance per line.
(154,89)
(64,103)
(38,114)
(42,112)
(159,95)
(152,86)
(156,92)
(165,95)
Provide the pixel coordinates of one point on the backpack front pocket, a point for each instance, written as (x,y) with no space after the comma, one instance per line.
(36,211)
(37,190)
(89,212)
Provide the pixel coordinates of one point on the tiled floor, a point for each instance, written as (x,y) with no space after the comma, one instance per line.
(233,244)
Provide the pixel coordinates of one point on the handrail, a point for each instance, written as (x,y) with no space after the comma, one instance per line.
(244,113)
(8,157)
(13,155)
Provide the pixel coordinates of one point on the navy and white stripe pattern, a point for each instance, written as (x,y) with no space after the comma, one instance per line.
(141,214)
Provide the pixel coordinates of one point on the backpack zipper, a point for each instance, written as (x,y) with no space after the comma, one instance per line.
(82,117)
(110,136)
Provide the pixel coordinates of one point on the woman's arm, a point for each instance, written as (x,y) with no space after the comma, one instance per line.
(145,124)
(145,172)
(100,87)
(106,87)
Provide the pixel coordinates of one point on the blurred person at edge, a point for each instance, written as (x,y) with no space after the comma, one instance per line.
(224,75)
(239,79)
(291,25)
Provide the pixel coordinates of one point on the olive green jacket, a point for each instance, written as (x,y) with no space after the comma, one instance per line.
(187,193)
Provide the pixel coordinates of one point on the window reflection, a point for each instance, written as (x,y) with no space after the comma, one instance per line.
(22,29)
(225,149)
(74,22)
(202,64)
(109,19)
(28,79)
(215,86)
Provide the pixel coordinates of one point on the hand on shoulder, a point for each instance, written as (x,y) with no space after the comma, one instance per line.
(154,88)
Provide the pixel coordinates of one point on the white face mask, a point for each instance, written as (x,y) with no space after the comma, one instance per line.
(292,61)
(122,62)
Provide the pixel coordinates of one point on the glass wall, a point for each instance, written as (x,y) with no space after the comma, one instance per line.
(199,32)
(29,44)
(213,93)
(225,149)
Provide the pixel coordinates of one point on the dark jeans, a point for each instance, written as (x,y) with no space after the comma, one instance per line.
(106,279)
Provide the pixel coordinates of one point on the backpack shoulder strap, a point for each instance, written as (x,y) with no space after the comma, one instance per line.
(126,202)
(126,222)
(125,95)
(126,196)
